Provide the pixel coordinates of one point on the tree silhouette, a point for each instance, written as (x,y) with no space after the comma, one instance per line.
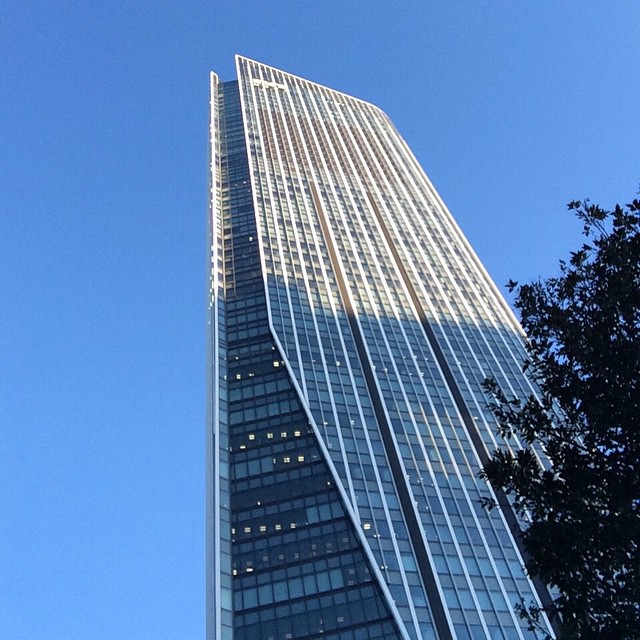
(582,499)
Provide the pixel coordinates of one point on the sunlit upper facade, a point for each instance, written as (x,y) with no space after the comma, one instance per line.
(351,327)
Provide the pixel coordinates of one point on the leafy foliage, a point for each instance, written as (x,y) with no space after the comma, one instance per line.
(583,502)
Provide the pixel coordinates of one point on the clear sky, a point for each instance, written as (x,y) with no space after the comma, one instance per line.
(513,108)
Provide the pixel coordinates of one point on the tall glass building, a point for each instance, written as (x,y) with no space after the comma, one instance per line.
(350,329)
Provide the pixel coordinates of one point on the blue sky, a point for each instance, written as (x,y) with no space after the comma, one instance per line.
(513,108)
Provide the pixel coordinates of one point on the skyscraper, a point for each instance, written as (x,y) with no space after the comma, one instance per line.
(351,327)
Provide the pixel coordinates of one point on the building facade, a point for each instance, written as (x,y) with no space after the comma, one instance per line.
(350,329)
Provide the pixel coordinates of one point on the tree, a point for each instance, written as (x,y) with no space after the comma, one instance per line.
(581,499)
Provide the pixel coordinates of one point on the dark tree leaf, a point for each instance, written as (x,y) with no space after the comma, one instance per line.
(583,508)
